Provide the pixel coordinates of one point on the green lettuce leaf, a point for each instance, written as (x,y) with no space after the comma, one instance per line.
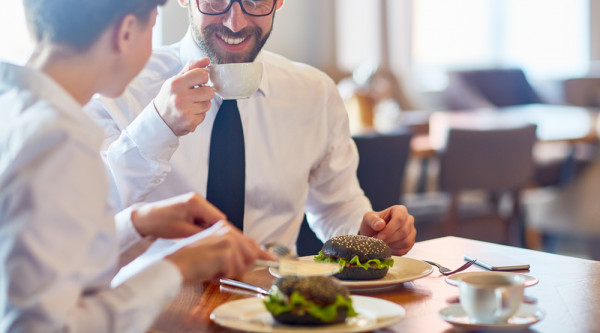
(277,303)
(354,261)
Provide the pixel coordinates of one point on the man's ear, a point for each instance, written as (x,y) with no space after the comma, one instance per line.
(124,33)
(184,3)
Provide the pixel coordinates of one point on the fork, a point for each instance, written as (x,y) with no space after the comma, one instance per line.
(447,271)
(280,250)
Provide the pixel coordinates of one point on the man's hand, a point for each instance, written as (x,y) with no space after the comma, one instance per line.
(222,252)
(183,100)
(394,225)
(177,217)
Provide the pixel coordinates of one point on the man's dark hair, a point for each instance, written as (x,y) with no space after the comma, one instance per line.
(79,23)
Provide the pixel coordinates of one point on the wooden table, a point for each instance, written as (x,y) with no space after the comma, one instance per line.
(562,123)
(568,291)
(555,123)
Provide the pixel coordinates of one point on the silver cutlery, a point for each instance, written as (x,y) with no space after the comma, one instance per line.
(244,285)
(447,271)
(280,250)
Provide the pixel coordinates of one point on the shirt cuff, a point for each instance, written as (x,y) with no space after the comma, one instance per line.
(126,232)
(152,135)
(166,274)
(153,288)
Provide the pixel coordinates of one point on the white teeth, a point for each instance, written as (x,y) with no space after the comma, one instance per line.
(232,41)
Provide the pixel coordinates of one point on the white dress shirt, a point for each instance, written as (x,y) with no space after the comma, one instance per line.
(299,152)
(58,241)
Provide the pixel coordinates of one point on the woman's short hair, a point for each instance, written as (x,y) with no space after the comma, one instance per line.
(79,23)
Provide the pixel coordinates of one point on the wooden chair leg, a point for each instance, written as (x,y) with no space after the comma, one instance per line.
(450,220)
(515,225)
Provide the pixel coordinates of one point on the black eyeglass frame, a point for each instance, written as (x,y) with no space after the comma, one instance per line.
(241,6)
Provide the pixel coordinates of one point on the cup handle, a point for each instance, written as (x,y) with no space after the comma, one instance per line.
(503,299)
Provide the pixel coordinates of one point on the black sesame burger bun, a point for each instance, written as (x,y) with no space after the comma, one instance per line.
(306,319)
(359,273)
(320,290)
(348,246)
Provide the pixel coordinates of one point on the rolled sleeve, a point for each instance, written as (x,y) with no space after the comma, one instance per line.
(126,232)
(152,135)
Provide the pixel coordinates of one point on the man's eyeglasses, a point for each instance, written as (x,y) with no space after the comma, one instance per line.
(249,7)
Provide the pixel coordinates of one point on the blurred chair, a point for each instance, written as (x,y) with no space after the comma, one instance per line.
(583,91)
(494,163)
(383,160)
(558,216)
(480,88)
(558,163)
(559,169)
(381,167)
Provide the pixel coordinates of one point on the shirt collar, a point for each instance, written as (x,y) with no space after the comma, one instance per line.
(189,50)
(39,83)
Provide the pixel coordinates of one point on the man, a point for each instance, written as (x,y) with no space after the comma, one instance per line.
(58,243)
(299,155)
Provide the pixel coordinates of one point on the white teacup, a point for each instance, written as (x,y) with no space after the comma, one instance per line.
(491,298)
(236,80)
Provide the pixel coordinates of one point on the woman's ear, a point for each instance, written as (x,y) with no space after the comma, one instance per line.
(124,33)
(279,4)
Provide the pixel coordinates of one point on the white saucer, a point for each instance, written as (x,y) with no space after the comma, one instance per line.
(526,316)
(454,279)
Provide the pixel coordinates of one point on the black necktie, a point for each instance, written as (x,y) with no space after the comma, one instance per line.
(227,164)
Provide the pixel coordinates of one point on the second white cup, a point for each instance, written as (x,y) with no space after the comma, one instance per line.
(491,298)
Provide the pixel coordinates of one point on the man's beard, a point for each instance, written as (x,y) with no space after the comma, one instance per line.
(204,41)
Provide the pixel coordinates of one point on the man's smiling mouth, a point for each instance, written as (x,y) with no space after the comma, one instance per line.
(231,40)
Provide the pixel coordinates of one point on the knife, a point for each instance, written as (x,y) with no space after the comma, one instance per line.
(295,266)
(244,285)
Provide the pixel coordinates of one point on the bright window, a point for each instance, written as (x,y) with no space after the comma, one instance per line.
(356,26)
(549,39)
(15,44)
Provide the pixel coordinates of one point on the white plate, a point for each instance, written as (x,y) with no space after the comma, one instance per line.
(250,314)
(404,270)
(526,316)
(454,279)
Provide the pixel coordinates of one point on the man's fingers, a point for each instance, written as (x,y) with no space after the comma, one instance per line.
(192,64)
(193,79)
(375,222)
(402,246)
(205,213)
(390,233)
(194,74)
(187,229)
(397,226)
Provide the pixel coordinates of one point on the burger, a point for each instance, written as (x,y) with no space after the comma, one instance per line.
(359,257)
(309,300)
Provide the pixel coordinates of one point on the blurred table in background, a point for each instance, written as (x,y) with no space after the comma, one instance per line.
(555,123)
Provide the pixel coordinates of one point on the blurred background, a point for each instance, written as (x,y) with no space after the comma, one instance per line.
(400,64)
